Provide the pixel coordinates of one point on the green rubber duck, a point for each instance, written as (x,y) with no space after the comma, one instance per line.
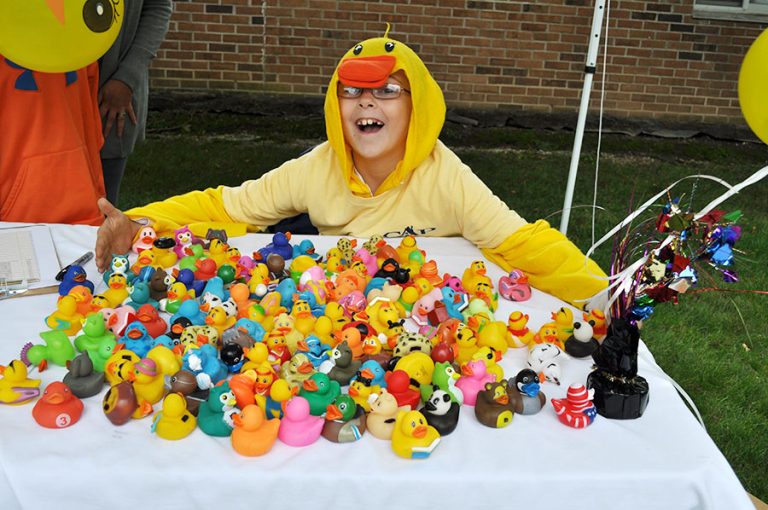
(344,420)
(444,377)
(215,415)
(188,262)
(57,349)
(94,331)
(320,391)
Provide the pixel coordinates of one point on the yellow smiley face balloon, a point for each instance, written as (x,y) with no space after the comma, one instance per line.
(58,35)
(753,79)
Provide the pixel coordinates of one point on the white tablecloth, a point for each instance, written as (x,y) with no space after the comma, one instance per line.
(663,460)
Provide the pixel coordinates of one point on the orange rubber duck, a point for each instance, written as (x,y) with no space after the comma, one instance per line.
(253,435)
(58,407)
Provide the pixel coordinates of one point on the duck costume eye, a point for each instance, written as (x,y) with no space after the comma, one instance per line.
(358,49)
(57,36)
(389,46)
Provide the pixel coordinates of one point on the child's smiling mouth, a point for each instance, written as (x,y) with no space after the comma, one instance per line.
(369,125)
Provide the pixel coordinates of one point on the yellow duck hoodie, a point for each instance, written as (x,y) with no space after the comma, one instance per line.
(430,192)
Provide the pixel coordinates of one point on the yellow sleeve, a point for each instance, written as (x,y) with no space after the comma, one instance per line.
(553,263)
(200,210)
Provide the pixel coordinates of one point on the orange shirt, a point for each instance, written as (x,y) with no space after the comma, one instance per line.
(50,137)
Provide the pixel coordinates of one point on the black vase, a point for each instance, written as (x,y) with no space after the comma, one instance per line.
(620,393)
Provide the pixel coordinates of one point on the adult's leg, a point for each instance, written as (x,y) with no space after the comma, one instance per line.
(113,169)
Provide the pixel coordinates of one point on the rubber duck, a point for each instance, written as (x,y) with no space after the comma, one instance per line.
(279,393)
(119,264)
(73,276)
(476,272)
(300,264)
(525,393)
(465,346)
(193,254)
(137,339)
(159,281)
(392,270)
(418,365)
(373,350)
(217,251)
(493,408)
(276,266)
(412,437)
(174,422)
(165,256)
(117,319)
(119,366)
(454,302)
(185,240)
(58,407)
(478,309)
(217,318)
(197,336)
(398,385)
(245,333)
(444,378)
(284,326)
(299,427)
(204,362)
(205,269)
(362,388)
(544,359)
(577,409)
(144,240)
(441,411)
(515,286)
(518,334)
(547,334)
(342,365)
(15,386)
(305,247)
(315,350)
(94,329)
(278,350)
(582,343)
(119,403)
(150,318)
(368,259)
(347,248)
(280,245)
(296,370)
(334,264)
(344,420)
(563,319)
(380,422)
(319,390)
(354,333)
(117,291)
(184,383)
(139,294)
(303,320)
(215,415)
(255,356)
(84,299)
(149,385)
(491,358)
(240,294)
(473,378)
(57,349)
(599,323)
(166,360)
(233,356)
(377,373)
(191,310)
(146,259)
(66,317)
(253,435)
(82,379)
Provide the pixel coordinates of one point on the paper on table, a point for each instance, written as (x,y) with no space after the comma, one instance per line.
(28,253)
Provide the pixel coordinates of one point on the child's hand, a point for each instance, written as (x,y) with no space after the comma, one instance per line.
(115,235)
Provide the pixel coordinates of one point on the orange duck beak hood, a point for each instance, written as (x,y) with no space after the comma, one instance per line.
(368,64)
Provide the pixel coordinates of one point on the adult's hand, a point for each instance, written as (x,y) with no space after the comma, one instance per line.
(115,235)
(114,104)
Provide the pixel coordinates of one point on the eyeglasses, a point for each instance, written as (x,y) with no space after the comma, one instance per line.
(388,91)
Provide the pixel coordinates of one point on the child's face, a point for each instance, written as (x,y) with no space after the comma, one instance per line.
(384,138)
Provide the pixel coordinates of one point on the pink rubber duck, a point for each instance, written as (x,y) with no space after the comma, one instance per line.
(298,427)
(472,381)
(369,260)
(146,237)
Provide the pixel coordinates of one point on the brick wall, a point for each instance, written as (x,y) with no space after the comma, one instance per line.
(529,55)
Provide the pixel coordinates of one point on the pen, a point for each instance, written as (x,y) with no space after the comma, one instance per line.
(80,261)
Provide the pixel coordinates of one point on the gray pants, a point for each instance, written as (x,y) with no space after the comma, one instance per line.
(113,170)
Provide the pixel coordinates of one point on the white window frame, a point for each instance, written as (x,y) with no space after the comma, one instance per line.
(748,11)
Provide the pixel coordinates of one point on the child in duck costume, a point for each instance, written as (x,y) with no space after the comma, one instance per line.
(380,93)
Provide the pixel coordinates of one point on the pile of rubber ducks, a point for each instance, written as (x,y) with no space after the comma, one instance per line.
(286,344)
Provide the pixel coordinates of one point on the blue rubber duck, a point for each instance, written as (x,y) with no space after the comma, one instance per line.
(191,310)
(206,365)
(73,276)
(280,245)
(137,339)
(306,247)
(215,286)
(287,288)
(454,302)
(315,349)
(378,373)
(140,295)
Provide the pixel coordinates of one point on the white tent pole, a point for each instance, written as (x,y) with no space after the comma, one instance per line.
(589,75)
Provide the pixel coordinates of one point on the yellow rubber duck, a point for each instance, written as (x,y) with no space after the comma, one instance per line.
(174,422)
(406,246)
(286,326)
(145,259)
(254,357)
(466,345)
(297,370)
(518,334)
(412,438)
(303,320)
(476,272)
(218,251)
(423,286)
(148,384)
(418,365)
(218,319)
(119,365)
(164,257)
(16,387)
(360,393)
(66,318)
(117,291)
(493,334)
(563,319)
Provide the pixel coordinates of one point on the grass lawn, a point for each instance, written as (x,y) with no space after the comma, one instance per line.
(715,344)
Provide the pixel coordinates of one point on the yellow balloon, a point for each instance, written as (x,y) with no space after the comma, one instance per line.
(58,35)
(753,80)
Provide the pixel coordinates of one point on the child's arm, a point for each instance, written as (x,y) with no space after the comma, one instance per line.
(552,262)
